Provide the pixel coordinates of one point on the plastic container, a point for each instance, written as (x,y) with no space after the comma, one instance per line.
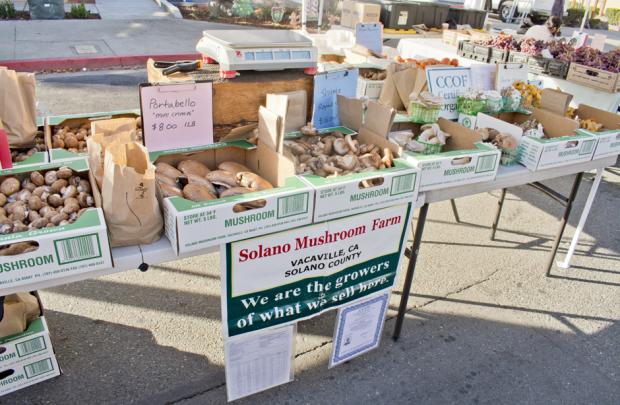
(509,157)
(433,14)
(423,115)
(399,15)
(469,106)
(494,103)
(461,16)
(511,103)
(430,148)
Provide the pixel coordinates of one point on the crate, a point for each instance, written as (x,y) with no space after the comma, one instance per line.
(482,53)
(537,65)
(467,46)
(558,68)
(433,14)
(399,15)
(461,16)
(517,57)
(501,55)
(592,77)
(496,60)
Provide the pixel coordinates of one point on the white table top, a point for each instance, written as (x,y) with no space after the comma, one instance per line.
(129,258)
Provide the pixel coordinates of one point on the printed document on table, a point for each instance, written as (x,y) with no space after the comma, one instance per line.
(358,328)
(257,361)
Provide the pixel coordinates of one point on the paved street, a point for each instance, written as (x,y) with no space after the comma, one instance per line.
(485,325)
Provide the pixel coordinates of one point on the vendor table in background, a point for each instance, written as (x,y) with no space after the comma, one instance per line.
(435,48)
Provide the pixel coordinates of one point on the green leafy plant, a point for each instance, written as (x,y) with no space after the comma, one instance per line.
(613,15)
(79,11)
(7,10)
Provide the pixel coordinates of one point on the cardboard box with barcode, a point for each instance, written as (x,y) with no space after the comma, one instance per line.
(561,145)
(191,225)
(73,250)
(463,160)
(35,158)
(33,340)
(354,12)
(608,137)
(37,369)
(354,193)
(75,121)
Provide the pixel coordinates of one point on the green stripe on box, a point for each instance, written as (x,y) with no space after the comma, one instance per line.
(57,119)
(34,327)
(344,130)
(217,145)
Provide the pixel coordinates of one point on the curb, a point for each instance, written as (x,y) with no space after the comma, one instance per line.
(37,65)
(171,8)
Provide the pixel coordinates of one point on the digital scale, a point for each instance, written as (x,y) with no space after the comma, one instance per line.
(257,49)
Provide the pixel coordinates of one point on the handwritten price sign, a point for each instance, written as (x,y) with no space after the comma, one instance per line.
(177,116)
(327,86)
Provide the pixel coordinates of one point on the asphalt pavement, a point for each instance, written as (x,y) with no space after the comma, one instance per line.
(484,325)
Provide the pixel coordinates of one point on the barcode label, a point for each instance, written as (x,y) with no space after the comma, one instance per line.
(292,205)
(486,163)
(77,248)
(30,346)
(586,147)
(403,184)
(38,368)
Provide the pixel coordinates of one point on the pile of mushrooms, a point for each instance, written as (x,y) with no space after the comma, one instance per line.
(498,139)
(53,198)
(335,154)
(73,139)
(431,134)
(194,181)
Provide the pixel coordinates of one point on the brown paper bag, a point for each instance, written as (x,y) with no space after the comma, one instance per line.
(97,145)
(130,205)
(389,95)
(19,310)
(18,109)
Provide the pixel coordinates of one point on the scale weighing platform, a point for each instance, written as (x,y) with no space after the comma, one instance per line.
(257,49)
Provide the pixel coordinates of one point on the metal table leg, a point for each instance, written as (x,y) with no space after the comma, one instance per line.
(563,221)
(455,211)
(582,221)
(413,257)
(498,213)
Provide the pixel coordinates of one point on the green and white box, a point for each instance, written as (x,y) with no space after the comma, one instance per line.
(193,225)
(608,138)
(464,160)
(561,146)
(80,247)
(355,193)
(33,342)
(35,370)
(75,121)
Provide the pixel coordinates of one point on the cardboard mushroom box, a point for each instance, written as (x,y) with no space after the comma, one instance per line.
(228,191)
(51,224)
(28,357)
(353,173)
(464,159)
(65,135)
(607,135)
(560,146)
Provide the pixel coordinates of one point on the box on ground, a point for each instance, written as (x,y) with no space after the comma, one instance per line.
(464,159)
(28,357)
(193,225)
(37,369)
(80,247)
(354,12)
(562,146)
(608,138)
(349,194)
(75,121)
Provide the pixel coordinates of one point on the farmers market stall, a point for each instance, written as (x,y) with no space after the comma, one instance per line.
(305,184)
